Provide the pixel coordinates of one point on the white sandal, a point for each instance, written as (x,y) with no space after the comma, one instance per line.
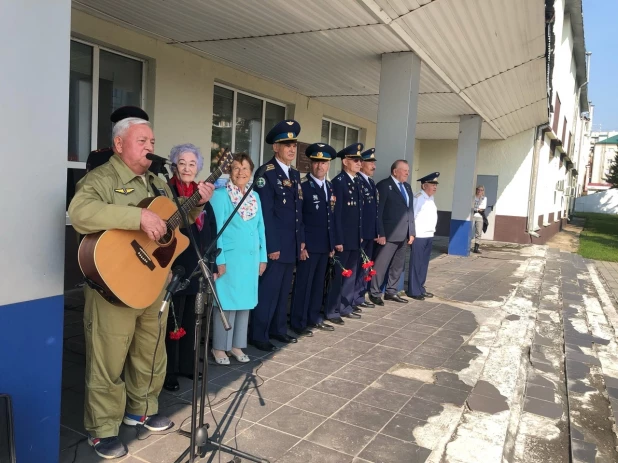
(244,358)
(220,361)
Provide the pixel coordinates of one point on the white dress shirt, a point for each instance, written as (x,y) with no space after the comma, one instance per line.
(480,203)
(425,215)
(321,183)
(285,167)
(397,182)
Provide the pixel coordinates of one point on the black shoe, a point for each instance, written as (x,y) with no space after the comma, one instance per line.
(284,338)
(171,383)
(304,332)
(336,321)
(395,297)
(352,315)
(367,305)
(376,300)
(357,309)
(154,423)
(426,295)
(265,346)
(417,298)
(476,249)
(323,326)
(108,447)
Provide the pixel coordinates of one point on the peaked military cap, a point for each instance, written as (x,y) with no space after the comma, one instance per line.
(128,111)
(284,132)
(351,152)
(431,178)
(320,152)
(369,155)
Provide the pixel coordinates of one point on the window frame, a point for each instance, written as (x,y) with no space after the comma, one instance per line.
(94,126)
(234,112)
(344,124)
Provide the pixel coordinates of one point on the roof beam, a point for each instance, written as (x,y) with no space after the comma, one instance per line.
(384,18)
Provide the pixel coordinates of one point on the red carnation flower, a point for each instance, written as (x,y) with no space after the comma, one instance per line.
(367,278)
(367,265)
(347,273)
(372,273)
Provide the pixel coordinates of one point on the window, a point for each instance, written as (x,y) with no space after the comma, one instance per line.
(240,122)
(338,136)
(556,115)
(101,81)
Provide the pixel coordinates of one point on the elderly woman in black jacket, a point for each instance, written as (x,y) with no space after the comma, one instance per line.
(181,320)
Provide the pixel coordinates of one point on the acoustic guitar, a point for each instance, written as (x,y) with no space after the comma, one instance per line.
(128,268)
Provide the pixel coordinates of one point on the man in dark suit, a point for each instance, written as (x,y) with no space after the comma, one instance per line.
(370,235)
(319,242)
(396,228)
(347,219)
(282,201)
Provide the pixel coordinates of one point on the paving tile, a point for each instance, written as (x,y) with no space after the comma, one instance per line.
(357,374)
(410,335)
(357,345)
(278,390)
(542,408)
(577,370)
(583,452)
(427,320)
(364,416)
(301,377)
(459,361)
(451,380)
(441,394)
(318,402)
(587,359)
(264,442)
(288,357)
(386,449)
(485,388)
(398,384)
(422,360)
(321,365)
(435,351)
(308,452)
(250,408)
(293,421)
(539,392)
(400,343)
(339,387)
(486,404)
(268,369)
(341,437)
(367,336)
(418,327)
(381,398)
(402,427)
(338,353)
(379,329)
(444,342)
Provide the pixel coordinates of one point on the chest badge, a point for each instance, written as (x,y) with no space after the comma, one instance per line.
(124,191)
(287,183)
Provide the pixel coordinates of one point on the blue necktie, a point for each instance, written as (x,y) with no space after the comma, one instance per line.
(403,193)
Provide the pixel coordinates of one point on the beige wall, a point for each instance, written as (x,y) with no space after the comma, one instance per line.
(180,88)
(510,159)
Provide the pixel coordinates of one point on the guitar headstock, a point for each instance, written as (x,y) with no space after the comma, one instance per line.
(226,163)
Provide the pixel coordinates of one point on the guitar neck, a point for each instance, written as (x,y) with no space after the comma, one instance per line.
(176,219)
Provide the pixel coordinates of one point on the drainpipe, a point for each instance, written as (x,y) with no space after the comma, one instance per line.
(539,135)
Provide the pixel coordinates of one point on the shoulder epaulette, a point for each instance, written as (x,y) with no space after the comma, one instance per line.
(270,167)
(303,180)
(417,195)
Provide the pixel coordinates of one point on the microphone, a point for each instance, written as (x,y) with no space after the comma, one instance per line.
(154,158)
(173,286)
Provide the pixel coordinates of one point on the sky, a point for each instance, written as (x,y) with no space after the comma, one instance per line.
(601,35)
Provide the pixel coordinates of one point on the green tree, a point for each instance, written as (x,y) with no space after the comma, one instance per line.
(612,176)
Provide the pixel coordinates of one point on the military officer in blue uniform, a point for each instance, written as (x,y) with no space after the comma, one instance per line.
(282,200)
(319,239)
(347,219)
(425,218)
(370,196)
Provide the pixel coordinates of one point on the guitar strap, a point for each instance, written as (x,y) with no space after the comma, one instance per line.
(155,190)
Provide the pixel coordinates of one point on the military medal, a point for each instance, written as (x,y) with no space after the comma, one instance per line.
(283,200)
(287,183)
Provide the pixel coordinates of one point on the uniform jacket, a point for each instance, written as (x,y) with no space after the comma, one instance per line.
(106,198)
(318,229)
(370,207)
(281,199)
(243,247)
(395,218)
(348,213)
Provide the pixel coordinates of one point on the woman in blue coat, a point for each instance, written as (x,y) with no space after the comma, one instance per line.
(241,262)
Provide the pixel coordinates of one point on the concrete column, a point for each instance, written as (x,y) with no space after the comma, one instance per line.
(463,190)
(400,78)
(34,91)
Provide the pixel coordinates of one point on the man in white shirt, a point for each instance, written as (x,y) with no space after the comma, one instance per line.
(425,218)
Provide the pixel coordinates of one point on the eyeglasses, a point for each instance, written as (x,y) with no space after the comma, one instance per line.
(355,160)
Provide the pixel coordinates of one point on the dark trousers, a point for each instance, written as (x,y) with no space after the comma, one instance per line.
(341,292)
(419,263)
(308,291)
(270,315)
(360,285)
(390,260)
(180,352)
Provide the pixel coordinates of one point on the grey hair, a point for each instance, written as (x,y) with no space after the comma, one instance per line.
(121,127)
(177,150)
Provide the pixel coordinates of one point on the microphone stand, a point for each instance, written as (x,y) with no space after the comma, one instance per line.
(206,297)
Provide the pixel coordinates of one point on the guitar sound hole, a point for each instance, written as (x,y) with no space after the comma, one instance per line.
(167,238)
